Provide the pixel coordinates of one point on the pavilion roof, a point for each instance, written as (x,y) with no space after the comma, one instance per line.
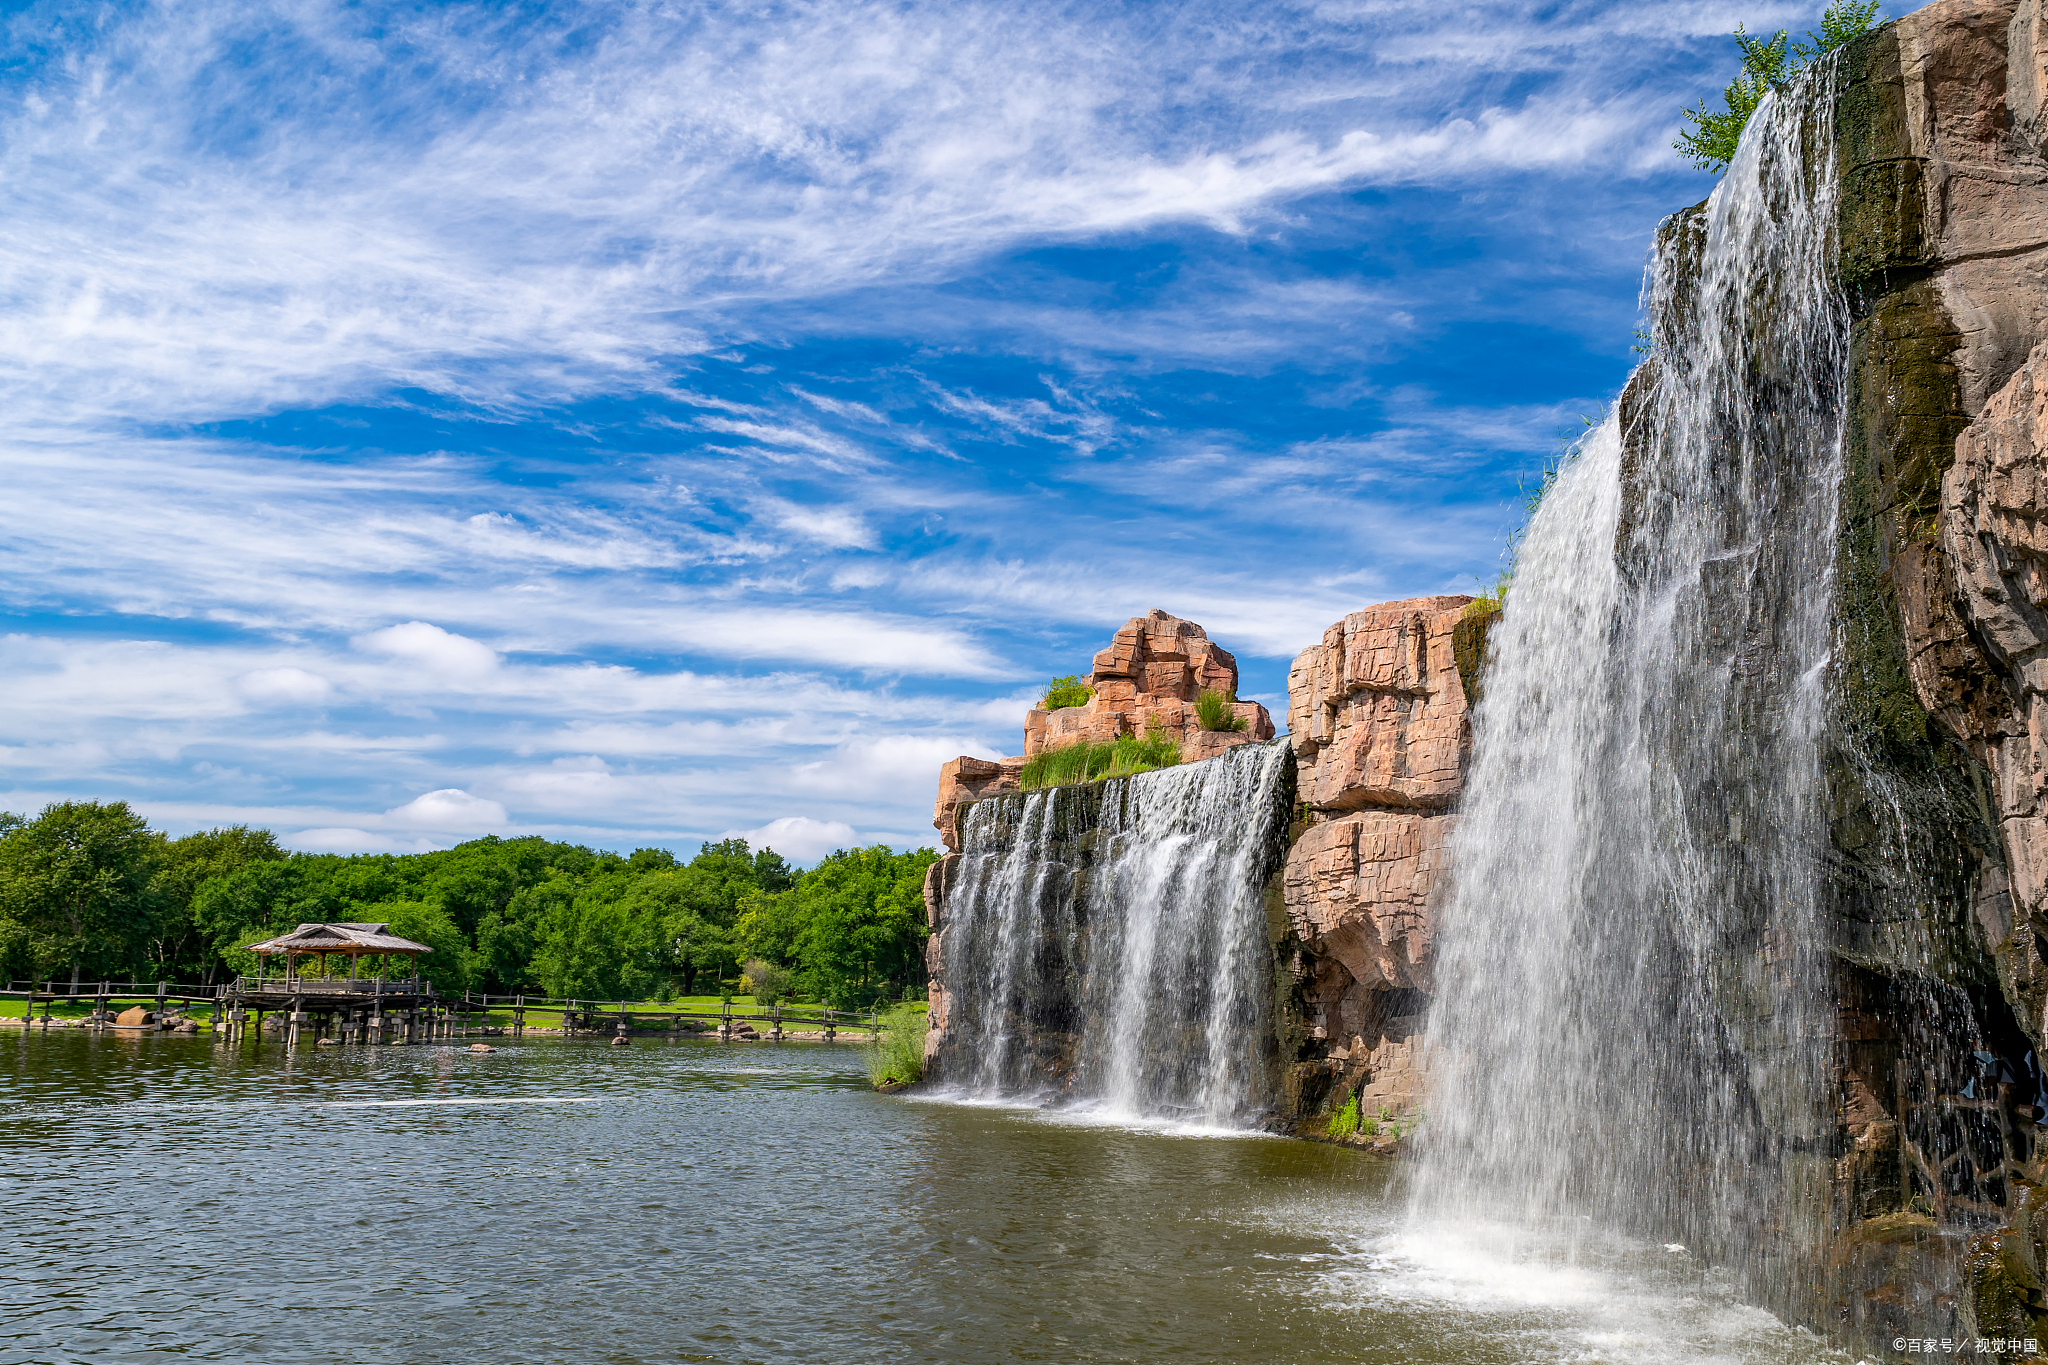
(354,939)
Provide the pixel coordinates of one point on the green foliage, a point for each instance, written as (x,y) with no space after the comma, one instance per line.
(1344,1122)
(1091,761)
(90,886)
(1064,692)
(77,888)
(852,928)
(1767,64)
(1212,709)
(1491,599)
(183,867)
(896,1056)
(766,982)
(452,964)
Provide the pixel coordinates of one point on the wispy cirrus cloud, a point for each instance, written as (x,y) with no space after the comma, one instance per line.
(227,205)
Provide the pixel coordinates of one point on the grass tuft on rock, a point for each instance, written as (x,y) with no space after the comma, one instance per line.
(1092,760)
(1491,599)
(1213,709)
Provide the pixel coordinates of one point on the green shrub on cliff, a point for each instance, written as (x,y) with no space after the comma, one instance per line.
(1091,761)
(1344,1122)
(1065,692)
(1767,64)
(896,1056)
(1212,708)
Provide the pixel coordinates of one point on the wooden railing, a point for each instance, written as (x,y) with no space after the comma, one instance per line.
(590,1015)
(332,985)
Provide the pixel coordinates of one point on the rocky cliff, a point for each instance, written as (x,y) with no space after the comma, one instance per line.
(1146,682)
(1378,721)
(1377,716)
(1938,884)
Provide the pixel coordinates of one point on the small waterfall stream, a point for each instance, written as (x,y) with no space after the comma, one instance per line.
(1107,944)
(1632,1011)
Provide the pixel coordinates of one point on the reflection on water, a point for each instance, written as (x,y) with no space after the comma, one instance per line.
(565,1202)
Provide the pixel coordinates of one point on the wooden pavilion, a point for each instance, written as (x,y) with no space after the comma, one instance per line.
(353,941)
(369,1008)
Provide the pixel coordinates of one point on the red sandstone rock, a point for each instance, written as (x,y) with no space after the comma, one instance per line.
(1359,889)
(969,779)
(1378,718)
(1377,712)
(1148,679)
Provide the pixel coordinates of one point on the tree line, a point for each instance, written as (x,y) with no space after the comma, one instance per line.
(89,892)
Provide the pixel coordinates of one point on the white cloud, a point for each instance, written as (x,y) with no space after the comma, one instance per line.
(443,654)
(463,217)
(342,839)
(837,527)
(290,686)
(517,208)
(450,810)
(798,837)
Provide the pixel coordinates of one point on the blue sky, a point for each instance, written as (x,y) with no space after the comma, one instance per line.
(639,423)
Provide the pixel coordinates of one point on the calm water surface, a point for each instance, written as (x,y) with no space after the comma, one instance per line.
(567,1201)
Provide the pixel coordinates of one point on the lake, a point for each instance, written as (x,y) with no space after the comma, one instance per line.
(565,1201)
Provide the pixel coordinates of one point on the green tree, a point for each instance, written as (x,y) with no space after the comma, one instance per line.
(1767,64)
(480,877)
(180,946)
(77,880)
(260,900)
(504,948)
(862,925)
(595,947)
(451,965)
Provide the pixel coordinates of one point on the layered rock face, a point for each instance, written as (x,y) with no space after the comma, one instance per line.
(1993,505)
(1148,679)
(1378,719)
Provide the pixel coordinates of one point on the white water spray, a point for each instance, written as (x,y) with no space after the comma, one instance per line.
(1631,1018)
(1107,944)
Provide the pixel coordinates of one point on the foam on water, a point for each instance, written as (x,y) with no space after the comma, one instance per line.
(1571,1295)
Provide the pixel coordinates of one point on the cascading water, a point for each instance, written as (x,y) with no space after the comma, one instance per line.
(1631,1018)
(1107,945)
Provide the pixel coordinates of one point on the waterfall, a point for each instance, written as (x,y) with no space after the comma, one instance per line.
(1632,1018)
(1107,945)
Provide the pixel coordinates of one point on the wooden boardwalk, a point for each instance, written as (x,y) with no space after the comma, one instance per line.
(396,1012)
